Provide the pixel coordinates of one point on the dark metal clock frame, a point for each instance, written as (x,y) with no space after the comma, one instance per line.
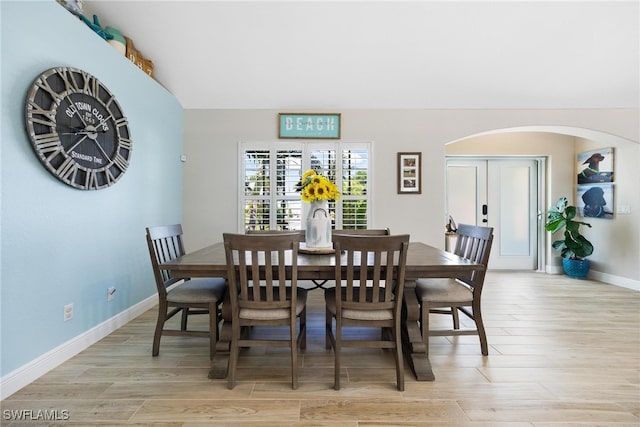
(77,128)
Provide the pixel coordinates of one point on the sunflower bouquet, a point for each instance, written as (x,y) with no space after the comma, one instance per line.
(314,187)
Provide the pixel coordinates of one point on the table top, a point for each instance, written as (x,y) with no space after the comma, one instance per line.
(422,261)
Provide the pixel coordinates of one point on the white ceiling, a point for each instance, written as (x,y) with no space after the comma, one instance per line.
(321,55)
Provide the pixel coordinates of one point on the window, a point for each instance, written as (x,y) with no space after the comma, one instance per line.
(269,173)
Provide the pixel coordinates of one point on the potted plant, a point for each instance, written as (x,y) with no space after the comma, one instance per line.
(574,248)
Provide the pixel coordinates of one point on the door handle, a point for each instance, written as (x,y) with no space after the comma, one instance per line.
(485,209)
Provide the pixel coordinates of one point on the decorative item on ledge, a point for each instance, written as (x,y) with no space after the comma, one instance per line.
(136,57)
(113,36)
(317,190)
(118,41)
(73,6)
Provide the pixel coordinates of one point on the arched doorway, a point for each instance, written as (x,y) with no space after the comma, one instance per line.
(559,146)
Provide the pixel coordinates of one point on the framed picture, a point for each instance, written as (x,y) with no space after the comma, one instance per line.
(595,201)
(409,173)
(595,166)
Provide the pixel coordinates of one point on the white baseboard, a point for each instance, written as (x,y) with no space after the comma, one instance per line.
(601,277)
(615,280)
(33,370)
(554,269)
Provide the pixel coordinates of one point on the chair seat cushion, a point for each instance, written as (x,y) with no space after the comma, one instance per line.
(276,313)
(330,301)
(198,290)
(443,290)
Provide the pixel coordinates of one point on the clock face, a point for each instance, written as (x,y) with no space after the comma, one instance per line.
(77,128)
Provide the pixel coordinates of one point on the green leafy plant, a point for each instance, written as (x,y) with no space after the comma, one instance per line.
(574,245)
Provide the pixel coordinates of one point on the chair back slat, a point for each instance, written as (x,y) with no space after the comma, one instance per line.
(370,273)
(165,243)
(260,269)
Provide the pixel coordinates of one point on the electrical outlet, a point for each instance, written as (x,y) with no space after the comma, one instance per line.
(68,312)
(111,293)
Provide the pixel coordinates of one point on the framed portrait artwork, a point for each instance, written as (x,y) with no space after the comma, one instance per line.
(595,166)
(595,201)
(409,173)
(595,179)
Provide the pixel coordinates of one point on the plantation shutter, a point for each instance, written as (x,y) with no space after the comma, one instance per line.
(270,172)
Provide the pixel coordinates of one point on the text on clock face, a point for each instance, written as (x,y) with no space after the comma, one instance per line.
(86,157)
(91,114)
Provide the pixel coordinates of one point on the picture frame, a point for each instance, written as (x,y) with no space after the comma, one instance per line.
(595,200)
(595,166)
(410,173)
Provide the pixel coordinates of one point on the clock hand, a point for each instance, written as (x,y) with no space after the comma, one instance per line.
(77,143)
(83,132)
(103,152)
(79,132)
(76,112)
(73,128)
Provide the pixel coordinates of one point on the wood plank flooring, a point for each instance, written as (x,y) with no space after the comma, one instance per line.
(561,352)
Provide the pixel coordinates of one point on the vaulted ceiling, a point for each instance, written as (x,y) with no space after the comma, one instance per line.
(333,55)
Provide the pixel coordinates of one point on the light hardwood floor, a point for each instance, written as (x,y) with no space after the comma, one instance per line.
(561,352)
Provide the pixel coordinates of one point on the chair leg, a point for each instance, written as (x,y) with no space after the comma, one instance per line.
(456,317)
(477,316)
(183,321)
(328,322)
(294,354)
(336,351)
(162,315)
(213,329)
(399,358)
(303,329)
(233,356)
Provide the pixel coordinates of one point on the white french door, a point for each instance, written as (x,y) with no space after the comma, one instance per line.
(503,194)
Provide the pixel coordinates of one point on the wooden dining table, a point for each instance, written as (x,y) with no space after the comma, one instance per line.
(423,261)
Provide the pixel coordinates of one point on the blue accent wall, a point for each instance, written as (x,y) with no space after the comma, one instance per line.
(60,245)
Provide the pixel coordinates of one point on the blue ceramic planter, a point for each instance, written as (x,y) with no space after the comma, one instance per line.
(576,268)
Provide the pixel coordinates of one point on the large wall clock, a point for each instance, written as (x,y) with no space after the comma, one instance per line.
(77,128)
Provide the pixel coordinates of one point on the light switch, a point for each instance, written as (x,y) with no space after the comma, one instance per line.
(624,209)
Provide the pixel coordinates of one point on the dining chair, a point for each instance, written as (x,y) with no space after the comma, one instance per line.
(369,275)
(185,296)
(464,294)
(262,269)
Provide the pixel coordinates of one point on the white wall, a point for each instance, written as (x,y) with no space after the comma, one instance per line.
(616,244)
(211,144)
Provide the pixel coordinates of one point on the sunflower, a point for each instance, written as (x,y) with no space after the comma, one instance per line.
(308,173)
(314,187)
